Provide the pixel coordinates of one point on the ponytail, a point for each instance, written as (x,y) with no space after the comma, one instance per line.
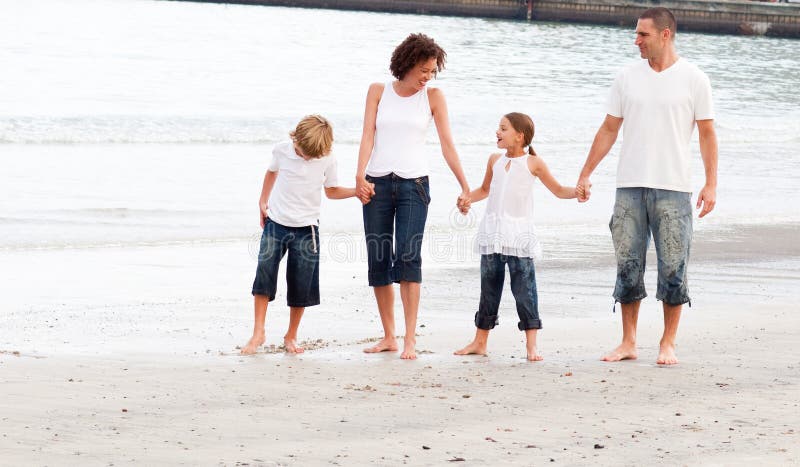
(530,150)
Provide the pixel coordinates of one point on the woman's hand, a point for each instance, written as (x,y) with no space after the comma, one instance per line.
(464,202)
(364,189)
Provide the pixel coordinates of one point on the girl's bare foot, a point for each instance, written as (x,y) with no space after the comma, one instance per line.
(533,355)
(473,348)
(409,349)
(387,344)
(666,355)
(623,352)
(291,346)
(252,346)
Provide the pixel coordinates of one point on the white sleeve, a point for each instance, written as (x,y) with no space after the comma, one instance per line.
(331,173)
(703,103)
(275,163)
(614,103)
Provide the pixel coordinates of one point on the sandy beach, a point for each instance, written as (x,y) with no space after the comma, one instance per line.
(172,389)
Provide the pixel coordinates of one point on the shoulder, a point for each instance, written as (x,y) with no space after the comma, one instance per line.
(435,94)
(535,163)
(694,71)
(375,90)
(283,148)
(493,158)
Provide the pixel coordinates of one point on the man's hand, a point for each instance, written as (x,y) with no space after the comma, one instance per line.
(707,199)
(584,189)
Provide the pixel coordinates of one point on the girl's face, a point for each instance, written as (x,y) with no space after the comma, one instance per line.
(507,137)
(423,72)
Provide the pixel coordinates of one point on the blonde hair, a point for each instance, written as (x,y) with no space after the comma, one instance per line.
(523,124)
(313,136)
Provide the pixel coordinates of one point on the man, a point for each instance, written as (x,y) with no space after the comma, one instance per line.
(660,100)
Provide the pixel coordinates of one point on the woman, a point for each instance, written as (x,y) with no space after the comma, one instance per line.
(392,180)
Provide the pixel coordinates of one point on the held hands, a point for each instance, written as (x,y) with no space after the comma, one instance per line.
(583,189)
(464,202)
(707,199)
(364,189)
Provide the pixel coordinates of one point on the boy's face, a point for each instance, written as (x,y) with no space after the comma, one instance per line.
(300,152)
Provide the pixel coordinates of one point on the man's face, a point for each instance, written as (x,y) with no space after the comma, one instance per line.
(649,39)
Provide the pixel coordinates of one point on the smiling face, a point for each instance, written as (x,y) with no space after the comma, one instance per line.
(422,72)
(650,40)
(507,137)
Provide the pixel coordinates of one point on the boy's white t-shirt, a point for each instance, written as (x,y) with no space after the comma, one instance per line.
(297,194)
(659,112)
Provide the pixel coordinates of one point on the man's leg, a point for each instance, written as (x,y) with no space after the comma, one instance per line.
(627,349)
(666,352)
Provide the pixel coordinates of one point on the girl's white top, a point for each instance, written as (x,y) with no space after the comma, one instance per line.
(507,227)
(401,126)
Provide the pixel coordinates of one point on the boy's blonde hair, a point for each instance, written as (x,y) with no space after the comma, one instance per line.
(313,136)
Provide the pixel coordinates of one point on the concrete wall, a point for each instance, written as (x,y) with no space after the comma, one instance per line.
(728,17)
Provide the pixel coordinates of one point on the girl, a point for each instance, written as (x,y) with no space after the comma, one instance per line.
(507,234)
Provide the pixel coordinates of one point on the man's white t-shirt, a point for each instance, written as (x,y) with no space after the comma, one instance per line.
(659,112)
(297,194)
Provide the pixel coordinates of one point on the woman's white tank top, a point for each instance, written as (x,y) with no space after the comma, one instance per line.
(507,227)
(400,130)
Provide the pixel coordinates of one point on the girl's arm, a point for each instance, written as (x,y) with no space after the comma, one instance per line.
(482,192)
(266,189)
(363,189)
(442,121)
(539,169)
(339,192)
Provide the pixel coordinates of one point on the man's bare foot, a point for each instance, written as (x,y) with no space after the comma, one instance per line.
(473,348)
(291,346)
(385,345)
(409,349)
(666,355)
(623,352)
(252,346)
(534,356)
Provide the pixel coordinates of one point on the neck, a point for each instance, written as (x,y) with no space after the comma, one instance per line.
(665,60)
(515,152)
(404,88)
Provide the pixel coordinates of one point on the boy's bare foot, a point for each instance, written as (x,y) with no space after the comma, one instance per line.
(291,346)
(252,346)
(385,345)
(409,349)
(666,355)
(534,356)
(623,352)
(473,348)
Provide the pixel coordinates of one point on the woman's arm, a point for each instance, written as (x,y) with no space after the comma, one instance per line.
(363,189)
(442,121)
(539,169)
(266,189)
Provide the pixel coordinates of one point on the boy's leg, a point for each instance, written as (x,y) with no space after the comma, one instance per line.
(260,303)
(290,339)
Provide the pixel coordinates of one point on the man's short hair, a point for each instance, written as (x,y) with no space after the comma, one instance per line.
(313,136)
(662,19)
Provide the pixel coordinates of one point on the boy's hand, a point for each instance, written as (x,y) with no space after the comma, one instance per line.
(263,214)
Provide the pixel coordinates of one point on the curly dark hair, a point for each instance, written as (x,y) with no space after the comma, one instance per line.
(414,49)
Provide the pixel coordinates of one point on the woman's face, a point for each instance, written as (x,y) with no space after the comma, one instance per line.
(507,136)
(423,72)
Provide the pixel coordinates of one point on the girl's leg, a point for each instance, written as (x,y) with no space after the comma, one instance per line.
(409,293)
(290,339)
(492,278)
(260,303)
(523,286)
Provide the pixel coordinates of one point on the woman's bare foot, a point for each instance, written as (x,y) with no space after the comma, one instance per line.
(623,352)
(409,349)
(666,355)
(534,356)
(291,346)
(473,348)
(252,346)
(387,344)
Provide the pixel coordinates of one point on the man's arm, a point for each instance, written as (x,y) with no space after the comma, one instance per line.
(707,198)
(603,141)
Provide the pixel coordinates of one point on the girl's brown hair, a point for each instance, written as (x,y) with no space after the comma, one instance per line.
(523,124)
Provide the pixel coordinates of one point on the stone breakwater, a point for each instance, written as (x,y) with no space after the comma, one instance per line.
(724,17)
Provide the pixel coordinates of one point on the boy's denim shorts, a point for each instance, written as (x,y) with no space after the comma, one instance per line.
(302,266)
(394,222)
(523,286)
(666,214)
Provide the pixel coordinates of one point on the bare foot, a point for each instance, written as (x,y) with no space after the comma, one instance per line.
(473,348)
(291,346)
(252,346)
(385,345)
(534,356)
(623,352)
(409,350)
(666,355)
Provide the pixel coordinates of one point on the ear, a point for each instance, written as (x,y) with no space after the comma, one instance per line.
(666,34)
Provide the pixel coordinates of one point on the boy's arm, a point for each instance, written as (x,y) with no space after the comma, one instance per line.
(339,192)
(708,150)
(266,189)
(539,169)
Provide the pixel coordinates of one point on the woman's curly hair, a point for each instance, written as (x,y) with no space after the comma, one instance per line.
(414,49)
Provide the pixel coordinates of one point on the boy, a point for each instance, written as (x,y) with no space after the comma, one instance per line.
(289,210)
